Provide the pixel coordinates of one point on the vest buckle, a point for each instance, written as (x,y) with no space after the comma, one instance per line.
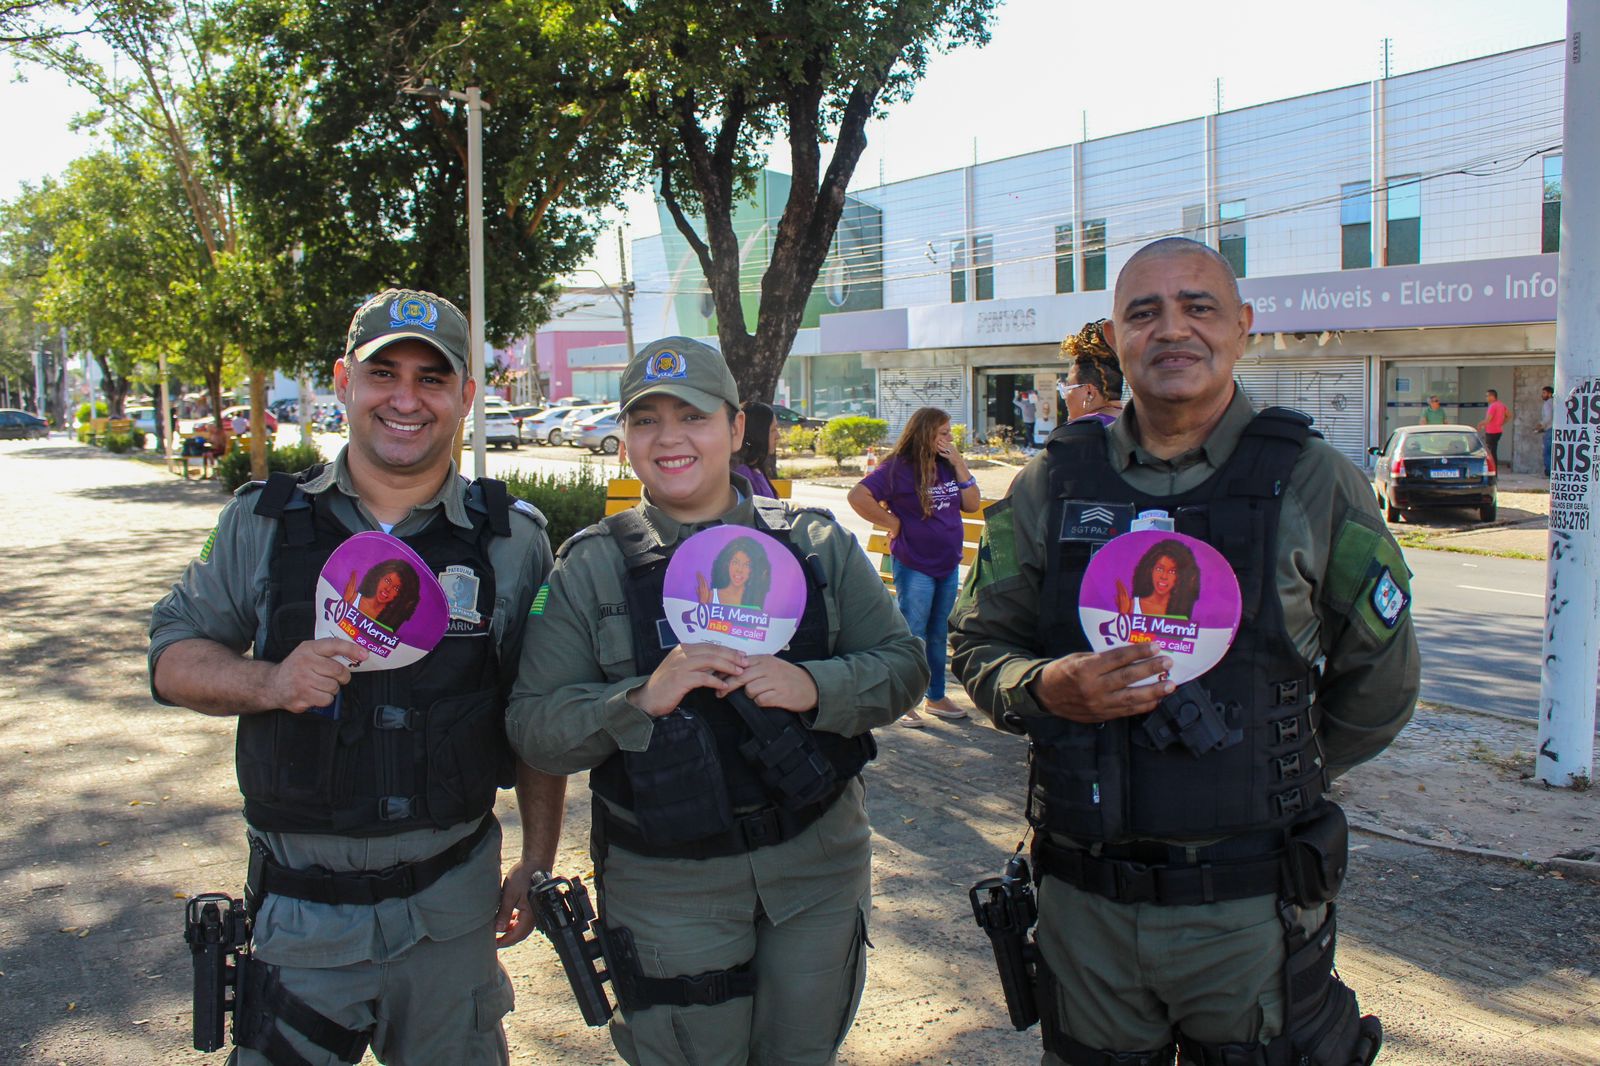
(388,716)
(1290,802)
(761,828)
(1288,729)
(1288,692)
(1288,766)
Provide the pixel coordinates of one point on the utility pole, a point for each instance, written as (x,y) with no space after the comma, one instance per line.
(627,291)
(1572,587)
(1387,48)
(1219,96)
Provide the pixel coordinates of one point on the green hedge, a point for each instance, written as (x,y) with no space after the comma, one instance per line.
(233,469)
(570,501)
(845,438)
(99,411)
(125,442)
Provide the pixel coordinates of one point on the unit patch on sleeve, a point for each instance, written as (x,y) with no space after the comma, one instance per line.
(1389,600)
(211,542)
(540,599)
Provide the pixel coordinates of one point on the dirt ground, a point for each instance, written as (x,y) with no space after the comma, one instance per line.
(118,808)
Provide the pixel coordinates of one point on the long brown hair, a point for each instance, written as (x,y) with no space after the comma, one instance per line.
(918,448)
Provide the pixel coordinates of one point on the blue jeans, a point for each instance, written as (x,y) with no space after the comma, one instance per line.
(925,604)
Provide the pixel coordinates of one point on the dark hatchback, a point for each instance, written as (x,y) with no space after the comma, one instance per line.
(1435,466)
(788,418)
(19,425)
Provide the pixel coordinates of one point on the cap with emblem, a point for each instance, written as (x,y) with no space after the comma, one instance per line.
(686,369)
(408,314)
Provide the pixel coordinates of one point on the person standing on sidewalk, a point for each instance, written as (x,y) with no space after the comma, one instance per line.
(747,902)
(1494,422)
(918,493)
(1094,383)
(1433,414)
(375,852)
(1185,886)
(1547,424)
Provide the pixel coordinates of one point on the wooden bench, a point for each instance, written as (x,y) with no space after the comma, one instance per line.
(623,492)
(180,463)
(971,532)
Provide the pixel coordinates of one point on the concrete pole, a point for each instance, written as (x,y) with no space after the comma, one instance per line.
(475,107)
(1378,189)
(627,292)
(1572,625)
(164,427)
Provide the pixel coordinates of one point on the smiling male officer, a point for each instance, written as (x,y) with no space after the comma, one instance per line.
(375,850)
(1185,884)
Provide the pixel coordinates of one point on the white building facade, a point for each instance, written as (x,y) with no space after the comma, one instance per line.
(1397,240)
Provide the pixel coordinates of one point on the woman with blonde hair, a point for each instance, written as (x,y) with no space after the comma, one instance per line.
(1094,384)
(918,494)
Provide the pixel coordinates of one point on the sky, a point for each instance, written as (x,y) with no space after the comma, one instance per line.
(1052,69)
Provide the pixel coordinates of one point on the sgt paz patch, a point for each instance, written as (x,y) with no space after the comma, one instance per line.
(1094,521)
(1389,600)
(460,586)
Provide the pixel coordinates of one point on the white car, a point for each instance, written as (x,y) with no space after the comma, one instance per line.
(144,418)
(546,427)
(571,427)
(498,426)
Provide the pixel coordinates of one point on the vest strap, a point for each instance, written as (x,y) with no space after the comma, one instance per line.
(757,829)
(269,877)
(1166,885)
(266,1001)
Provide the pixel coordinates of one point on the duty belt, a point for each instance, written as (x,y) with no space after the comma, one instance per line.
(270,877)
(1171,884)
(750,831)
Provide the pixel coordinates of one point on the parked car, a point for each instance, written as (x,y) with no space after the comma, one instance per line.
(522,412)
(498,426)
(1435,466)
(144,418)
(243,411)
(536,428)
(788,418)
(572,425)
(20,425)
(602,434)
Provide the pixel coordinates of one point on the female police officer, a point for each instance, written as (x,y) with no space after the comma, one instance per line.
(744,895)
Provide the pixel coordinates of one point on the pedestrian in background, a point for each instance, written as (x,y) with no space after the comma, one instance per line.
(1094,384)
(757,458)
(1494,422)
(1547,424)
(918,494)
(1433,414)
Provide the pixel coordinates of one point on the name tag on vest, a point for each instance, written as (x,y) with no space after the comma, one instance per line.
(1093,521)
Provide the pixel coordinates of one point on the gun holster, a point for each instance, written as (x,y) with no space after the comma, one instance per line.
(1005,909)
(217,930)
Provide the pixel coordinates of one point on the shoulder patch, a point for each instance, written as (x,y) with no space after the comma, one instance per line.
(211,542)
(530,510)
(539,600)
(599,529)
(1389,600)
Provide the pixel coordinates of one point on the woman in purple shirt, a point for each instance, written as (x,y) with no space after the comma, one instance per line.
(1094,384)
(918,494)
(755,460)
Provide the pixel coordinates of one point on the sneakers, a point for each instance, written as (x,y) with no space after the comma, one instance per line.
(912,720)
(944,708)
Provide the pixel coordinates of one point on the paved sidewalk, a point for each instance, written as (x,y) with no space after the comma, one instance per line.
(117,808)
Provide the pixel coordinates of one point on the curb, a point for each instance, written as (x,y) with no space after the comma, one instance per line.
(1567,866)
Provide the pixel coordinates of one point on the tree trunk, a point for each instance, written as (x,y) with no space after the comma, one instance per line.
(115,387)
(259,433)
(214,396)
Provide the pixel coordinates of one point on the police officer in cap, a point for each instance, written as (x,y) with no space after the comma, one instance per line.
(1185,850)
(743,898)
(375,853)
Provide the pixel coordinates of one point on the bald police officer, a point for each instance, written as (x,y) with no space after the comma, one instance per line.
(1186,881)
(375,853)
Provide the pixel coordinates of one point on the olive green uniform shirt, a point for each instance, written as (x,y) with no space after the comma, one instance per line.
(222,597)
(570,712)
(1332,551)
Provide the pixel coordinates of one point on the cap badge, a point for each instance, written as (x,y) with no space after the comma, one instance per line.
(410,311)
(666,364)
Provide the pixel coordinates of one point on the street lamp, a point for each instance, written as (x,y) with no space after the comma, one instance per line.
(624,302)
(476,106)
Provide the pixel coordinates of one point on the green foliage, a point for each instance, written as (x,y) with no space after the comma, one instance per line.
(845,438)
(233,469)
(119,442)
(958,434)
(799,439)
(83,411)
(84,433)
(570,501)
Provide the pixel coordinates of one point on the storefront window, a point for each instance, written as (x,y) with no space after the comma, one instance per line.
(596,385)
(1011,407)
(791,391)
(839,386)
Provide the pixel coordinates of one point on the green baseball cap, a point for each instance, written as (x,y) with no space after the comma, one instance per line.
(691,371)
(409,314)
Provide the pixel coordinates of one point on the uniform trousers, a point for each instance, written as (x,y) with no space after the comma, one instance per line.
(440,1001)
(1126,975)
(689,917)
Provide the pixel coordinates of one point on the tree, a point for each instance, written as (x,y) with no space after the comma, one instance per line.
(333,157)
(720,81)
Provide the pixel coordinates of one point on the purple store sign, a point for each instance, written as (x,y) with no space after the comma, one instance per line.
(1476,293)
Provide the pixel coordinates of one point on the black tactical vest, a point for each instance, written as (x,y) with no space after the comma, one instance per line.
(719,756)
(1110,782)
(417,747)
